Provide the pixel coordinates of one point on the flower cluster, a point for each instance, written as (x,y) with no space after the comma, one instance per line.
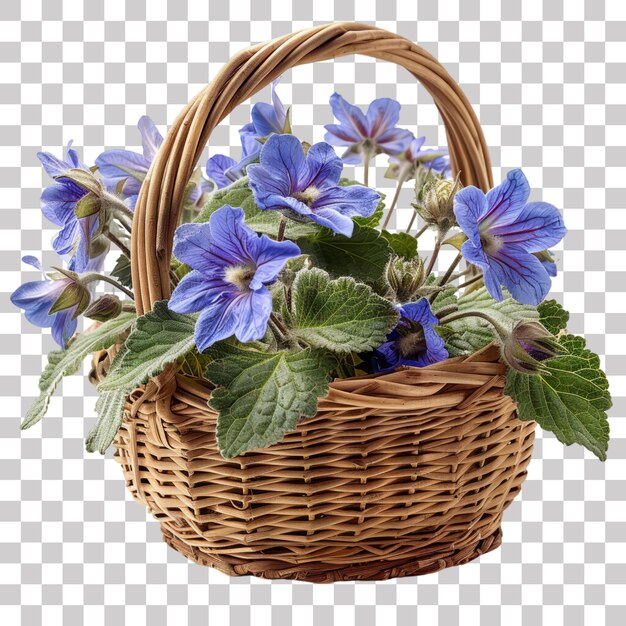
(286,265)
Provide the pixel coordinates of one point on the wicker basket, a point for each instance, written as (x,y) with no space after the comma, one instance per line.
(398,474)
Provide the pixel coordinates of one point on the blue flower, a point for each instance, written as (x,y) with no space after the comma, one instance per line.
(504,230)
(405,165)
(413,341)
(372,133)
(231,265)
(58,204)
(39,296)
(267,119)
(306,187)
(124,171)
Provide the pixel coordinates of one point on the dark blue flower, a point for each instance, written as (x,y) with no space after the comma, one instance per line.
(39,296)
(413,341)
(58,204)
(267,119)
(370,133)
(231,265)
(504,230)
(306,187)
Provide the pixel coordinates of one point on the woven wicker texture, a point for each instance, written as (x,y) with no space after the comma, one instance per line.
(398,474)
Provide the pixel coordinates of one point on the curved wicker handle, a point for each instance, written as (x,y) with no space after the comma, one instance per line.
(159,204)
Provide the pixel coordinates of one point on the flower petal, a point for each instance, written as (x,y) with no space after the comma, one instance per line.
(351,200)
(197,291)
(349,115)
(270,257)
(114,165)
(252,311)
(469,205)
(63,326)
(232,242)
(53,165)
(341,135)
(324,166)
(341,224)
(538,227)
(394,141)
(217,167)
(216,322)
(151,138)
(283,156)
(506,201)
(67,238)
(382,115)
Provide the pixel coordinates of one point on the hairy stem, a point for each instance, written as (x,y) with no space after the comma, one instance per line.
(421,231)
(396,195)
(433,256)
(471,281)
(446,276)
(367,157)
(89,278)
(118,242)
(281,229)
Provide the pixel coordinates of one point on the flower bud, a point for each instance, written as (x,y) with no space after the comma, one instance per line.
(404,278)
(527,346)
(75,294)
(105,308)
(435,202)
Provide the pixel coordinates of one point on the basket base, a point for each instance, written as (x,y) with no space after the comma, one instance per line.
(329,573)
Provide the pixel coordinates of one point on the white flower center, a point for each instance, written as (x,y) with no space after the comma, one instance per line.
(491,244)
(240,276)
(308,196)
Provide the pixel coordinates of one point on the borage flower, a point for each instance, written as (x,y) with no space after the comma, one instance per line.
(527,346)
(504,231)
(307,187)
(369,134)
(231,265)
(267,119)
(431,159)
(52,303)
(124,171)
(414,341)
(58,204)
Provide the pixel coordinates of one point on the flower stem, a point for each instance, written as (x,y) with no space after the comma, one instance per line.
(421,231)
(89,278)
(122,246)
(396,195)
(280,327)
(446,276)
(281,229)
(433,257)
(367,157)
(469,282)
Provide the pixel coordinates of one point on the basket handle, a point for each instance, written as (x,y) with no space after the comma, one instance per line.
(160,200)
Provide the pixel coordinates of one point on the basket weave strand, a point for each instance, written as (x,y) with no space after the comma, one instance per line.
(397,474)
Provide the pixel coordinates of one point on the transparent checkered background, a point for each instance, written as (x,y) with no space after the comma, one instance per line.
(548,85)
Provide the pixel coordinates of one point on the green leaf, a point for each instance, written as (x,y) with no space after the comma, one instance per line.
(553,316)
(121,271)
(473,333)
(570,399)
(264,395)
(159,337)
(109,407)
(66,362)
(362,256)
(403,244)
(339,315)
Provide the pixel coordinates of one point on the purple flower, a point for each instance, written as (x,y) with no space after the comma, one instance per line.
(306,187)
(231,265)
(58,204)
(267,119)
(404,166)
(372,133)
(413,341)
(124,171)
(38,297)
(504,230)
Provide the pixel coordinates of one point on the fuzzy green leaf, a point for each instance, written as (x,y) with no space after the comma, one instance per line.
(159,337)
(569,399)
(264,395)
(473,333)
(66,362)
(109,407)
(553,316)
(339,315)
(362,256)
(403,244)
(239,194)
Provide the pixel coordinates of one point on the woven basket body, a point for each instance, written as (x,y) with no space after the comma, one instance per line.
(398,474)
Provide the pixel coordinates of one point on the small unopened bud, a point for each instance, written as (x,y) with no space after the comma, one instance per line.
(527,346)
(106,307)
(436,201)
(404,278)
